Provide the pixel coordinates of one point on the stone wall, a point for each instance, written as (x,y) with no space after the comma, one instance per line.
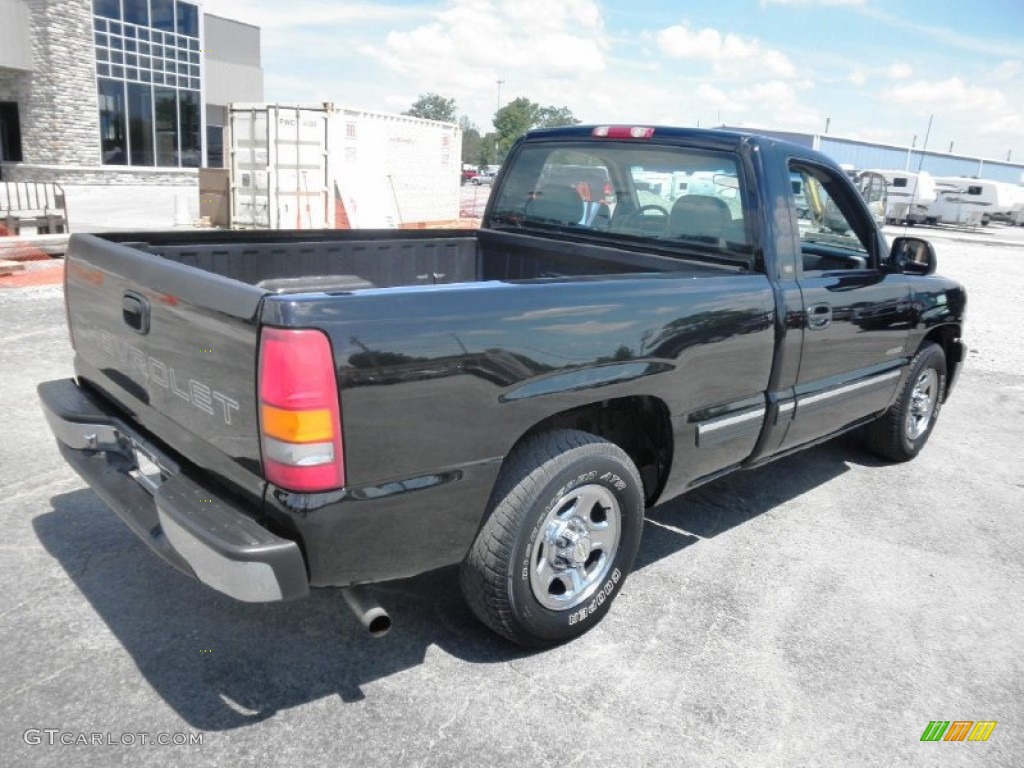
(100,174)
(59,109)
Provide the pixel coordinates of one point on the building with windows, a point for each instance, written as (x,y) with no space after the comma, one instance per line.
(119,91)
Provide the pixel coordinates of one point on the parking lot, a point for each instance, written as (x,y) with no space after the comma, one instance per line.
(820,610)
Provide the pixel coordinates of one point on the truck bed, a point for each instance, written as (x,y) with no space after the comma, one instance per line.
(347,260)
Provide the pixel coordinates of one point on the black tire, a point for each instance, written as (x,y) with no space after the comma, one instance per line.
(902,431)
(553,515)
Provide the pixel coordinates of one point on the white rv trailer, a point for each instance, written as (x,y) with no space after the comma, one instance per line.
(968,201)
(909,195)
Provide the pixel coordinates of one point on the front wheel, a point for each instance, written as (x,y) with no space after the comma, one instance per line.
(902,431)
(561,536)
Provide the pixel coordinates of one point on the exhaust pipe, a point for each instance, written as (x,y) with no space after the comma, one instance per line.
(366,608)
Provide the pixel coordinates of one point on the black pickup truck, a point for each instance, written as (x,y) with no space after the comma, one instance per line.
(275,411)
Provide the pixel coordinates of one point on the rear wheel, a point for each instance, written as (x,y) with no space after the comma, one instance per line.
(560,539)
(902,431)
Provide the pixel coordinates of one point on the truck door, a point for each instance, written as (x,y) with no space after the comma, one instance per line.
(856,317)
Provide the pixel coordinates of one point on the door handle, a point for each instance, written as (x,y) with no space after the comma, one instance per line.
(135,312)
(819,316)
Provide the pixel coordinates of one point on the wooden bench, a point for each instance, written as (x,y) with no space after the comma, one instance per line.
(36,204)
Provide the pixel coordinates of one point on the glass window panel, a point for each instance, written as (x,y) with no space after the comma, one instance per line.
(116,43)
(103,70)
(130,45)
(132,73)
(113,122)
(182,55)
(166,101)
(118,72)
(144,48)
(191,138)
(102,40)
(188,19)
(145,62)
(215,146)
(163,15)
(140,123)
(143,34)
(145,76)
(193,58)
(183,82)
(102,55)
(194,84)
(111,9)
(117,57)
(137,12)
(193,45)
(130,31)
(115,28)
(99,25)
(193,71)
(131,60)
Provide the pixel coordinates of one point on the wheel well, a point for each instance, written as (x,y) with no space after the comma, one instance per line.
(944,336)
(638,425)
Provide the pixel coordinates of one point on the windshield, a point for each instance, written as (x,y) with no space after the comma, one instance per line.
(668,197)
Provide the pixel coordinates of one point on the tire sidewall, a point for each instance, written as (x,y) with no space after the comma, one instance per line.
(622,481)
(931,357)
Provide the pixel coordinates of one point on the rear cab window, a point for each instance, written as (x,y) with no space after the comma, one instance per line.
(666,198)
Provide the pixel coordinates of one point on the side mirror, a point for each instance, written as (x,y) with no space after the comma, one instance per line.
(912,256)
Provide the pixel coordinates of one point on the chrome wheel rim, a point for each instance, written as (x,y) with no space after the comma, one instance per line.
(575,547)
(923,398)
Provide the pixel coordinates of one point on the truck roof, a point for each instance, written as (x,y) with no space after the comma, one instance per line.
(659,131)
(708,137)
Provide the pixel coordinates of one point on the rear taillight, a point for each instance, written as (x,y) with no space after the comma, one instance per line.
(300,417)
(622,132)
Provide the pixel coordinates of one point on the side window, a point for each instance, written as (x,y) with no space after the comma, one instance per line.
(832,235)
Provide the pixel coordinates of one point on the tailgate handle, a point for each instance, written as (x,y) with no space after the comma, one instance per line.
(135,311)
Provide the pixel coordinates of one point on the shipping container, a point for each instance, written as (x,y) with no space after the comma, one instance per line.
(301,166)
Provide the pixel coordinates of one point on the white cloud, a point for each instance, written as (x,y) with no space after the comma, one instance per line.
(272,15)
(1012,126)
(728,54)
(857,77)
(542,50)
(1008,70)
(950,95)
(899,70)
(765,3)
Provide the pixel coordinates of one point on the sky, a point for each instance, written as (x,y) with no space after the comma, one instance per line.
(867,69)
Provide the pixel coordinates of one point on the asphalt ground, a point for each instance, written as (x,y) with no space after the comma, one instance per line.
(819,611)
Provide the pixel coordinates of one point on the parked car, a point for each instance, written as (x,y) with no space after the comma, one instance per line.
(274,412)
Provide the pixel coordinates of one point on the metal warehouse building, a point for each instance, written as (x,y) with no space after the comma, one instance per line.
(119,91)
(866,155)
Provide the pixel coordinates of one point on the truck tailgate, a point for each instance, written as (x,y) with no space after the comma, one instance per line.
(173,347)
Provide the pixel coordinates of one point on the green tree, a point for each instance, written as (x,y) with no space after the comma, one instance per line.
(550,117)
(432,106)
(521,115)
(471,141)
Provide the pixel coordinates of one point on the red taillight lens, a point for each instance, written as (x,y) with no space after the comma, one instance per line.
(300,416)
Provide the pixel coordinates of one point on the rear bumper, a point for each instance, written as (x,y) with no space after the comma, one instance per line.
(191,526)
